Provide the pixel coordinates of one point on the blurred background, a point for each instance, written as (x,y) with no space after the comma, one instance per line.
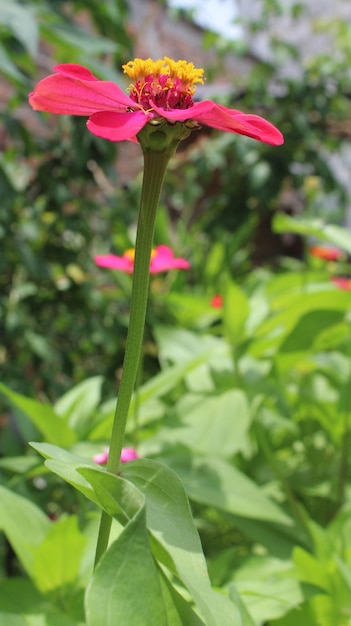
(66,195)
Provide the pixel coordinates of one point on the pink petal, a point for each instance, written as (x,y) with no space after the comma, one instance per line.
(113,262)
(74,90)
(117,126)
(223,118)
(164,251)
(165,260)
(73,70)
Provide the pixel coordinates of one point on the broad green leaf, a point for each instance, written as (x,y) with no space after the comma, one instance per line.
(24,525)
(304,615)
(145,399)
(118,497)
(235,312)
(57,558)
(271,334)
(245,615)
(215,482)
(19,464)
(65,465)
(45,618)
(19,595)
(77,406)
(43,416)
(190,310)
(170,521)
(179,611)
(181,346)
(336,235)
(309,569)
(214,425)
(268,587)
(125,587)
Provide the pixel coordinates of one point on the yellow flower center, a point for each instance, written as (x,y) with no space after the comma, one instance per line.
(130,253)
(165,83)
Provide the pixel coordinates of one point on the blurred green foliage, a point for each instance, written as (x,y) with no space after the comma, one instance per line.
(269,487)
(61,195)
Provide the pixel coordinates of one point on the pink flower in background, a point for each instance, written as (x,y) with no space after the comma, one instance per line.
(328,253)
(342,282)
(162,260)
(216,302)
(160,90)
(127,454)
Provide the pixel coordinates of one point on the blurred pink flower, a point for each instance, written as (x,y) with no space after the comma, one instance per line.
(342,282)
(217,301)
(162,260)
(328,253)
(127,454)
(160,90)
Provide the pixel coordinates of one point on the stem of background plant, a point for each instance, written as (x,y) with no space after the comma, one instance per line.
(155,165)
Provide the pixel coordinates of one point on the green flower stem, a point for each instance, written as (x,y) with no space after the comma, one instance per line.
(155,165)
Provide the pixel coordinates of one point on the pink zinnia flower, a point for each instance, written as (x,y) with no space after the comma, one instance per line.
(162,260)
(217,301)
(160,91)
(127,454)
(327,253)
(342,282)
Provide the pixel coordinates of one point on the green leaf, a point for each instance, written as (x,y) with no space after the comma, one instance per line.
(125,585)
(235,312)
(65,465)
(57,558)
(19,464)
(179,611)
(245,615)
(309,569)
(336,235)
(268,587)
(145,399)
(77,406)
(214,425)
(271,334)
(215,482)
(19,595)
(24,524)
(182,346)
(51,426)
(118,497)
(170,521)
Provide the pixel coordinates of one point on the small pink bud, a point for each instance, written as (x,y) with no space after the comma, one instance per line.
(128,454)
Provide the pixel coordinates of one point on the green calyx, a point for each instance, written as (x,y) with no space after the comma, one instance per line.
(162,136)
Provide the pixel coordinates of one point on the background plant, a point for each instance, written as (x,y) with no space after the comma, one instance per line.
(254,395)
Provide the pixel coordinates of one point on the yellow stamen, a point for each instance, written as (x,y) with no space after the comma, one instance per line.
(186,72)
(130,253)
